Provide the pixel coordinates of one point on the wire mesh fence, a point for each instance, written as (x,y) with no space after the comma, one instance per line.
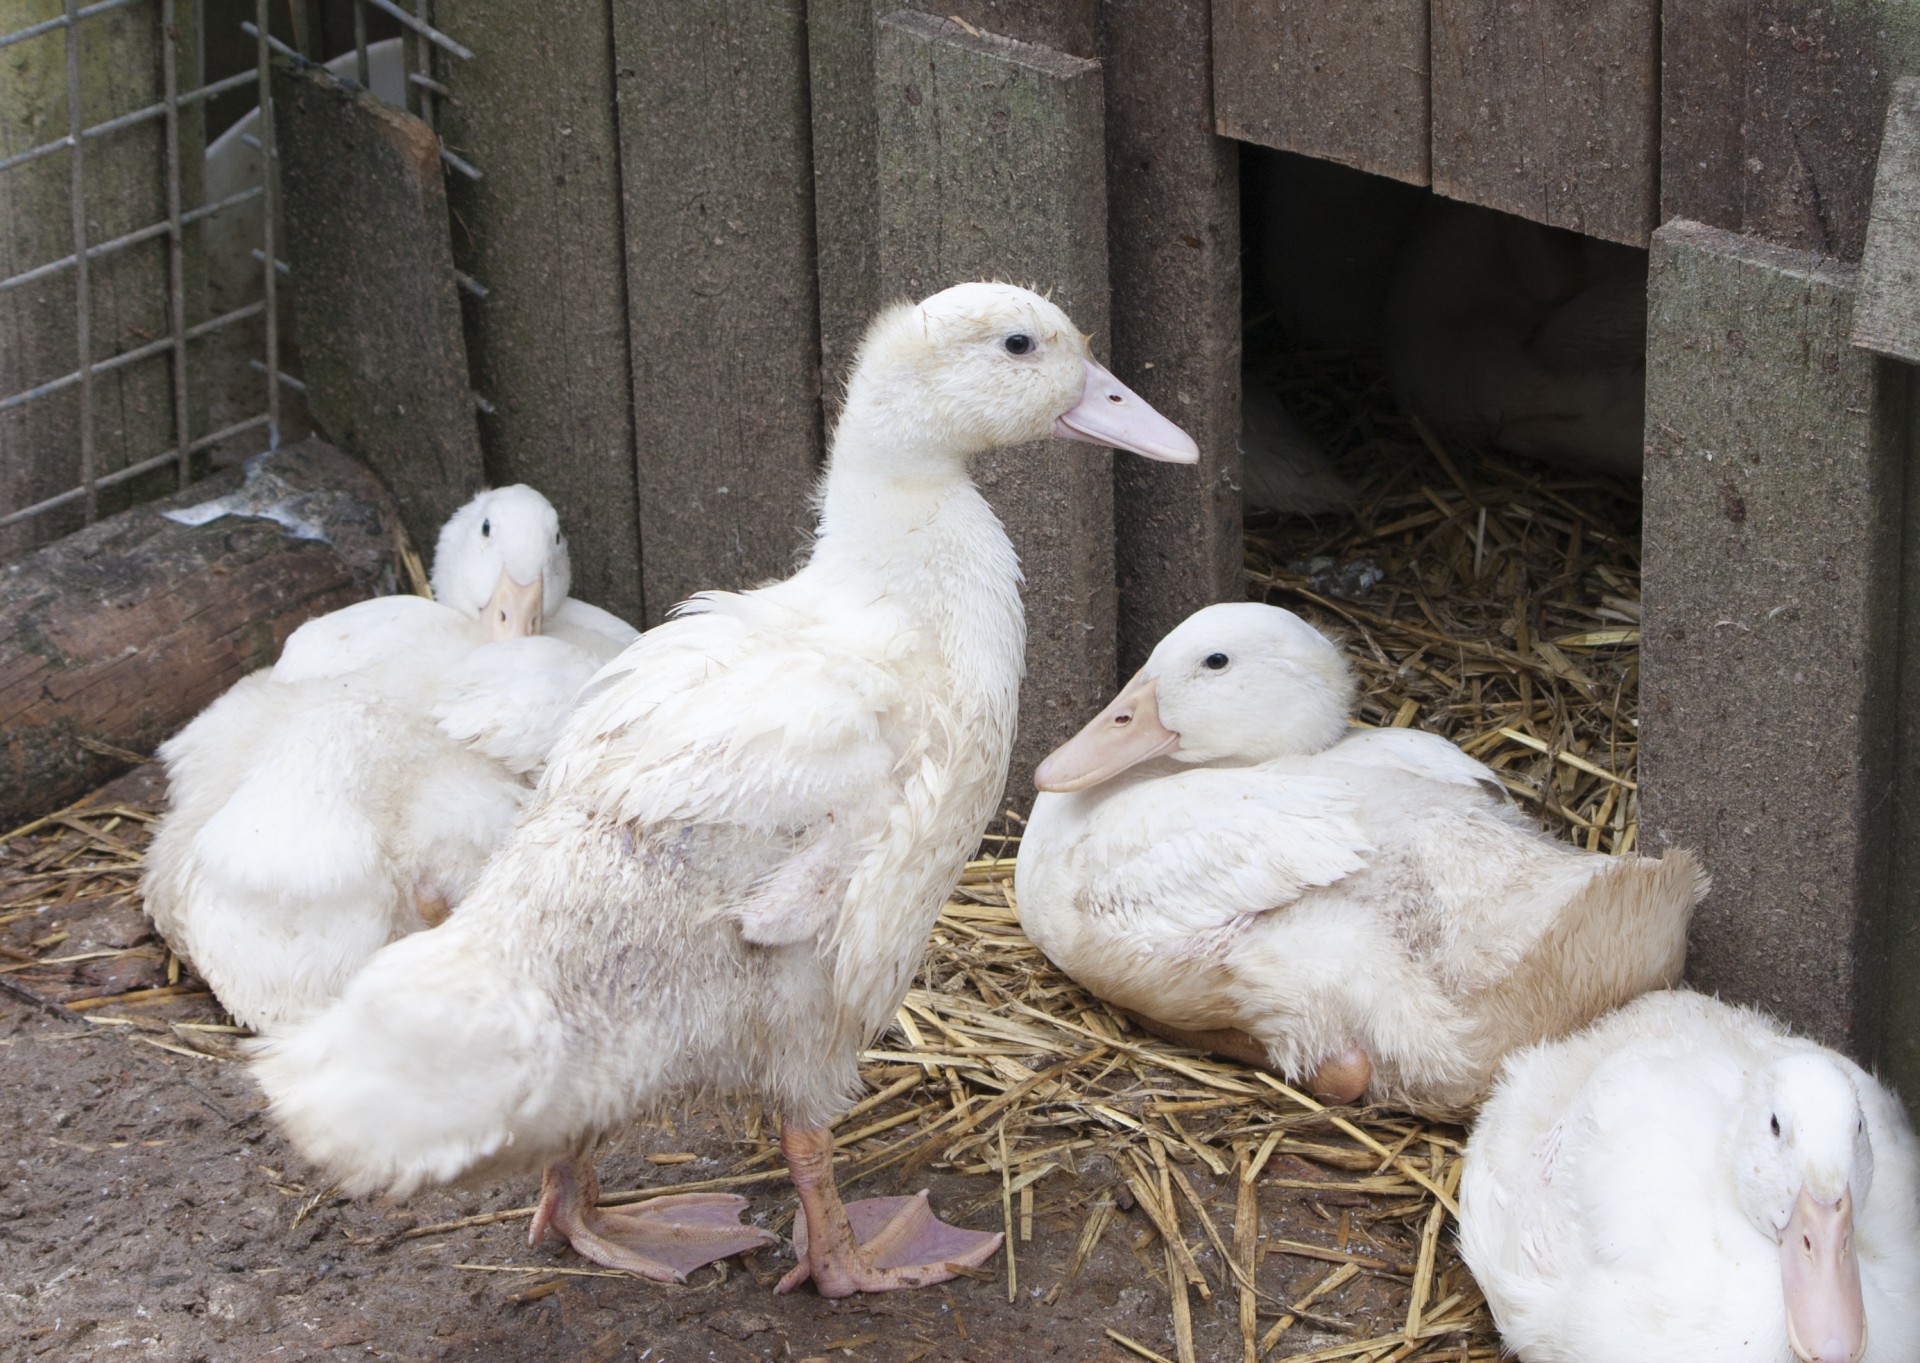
(145,319)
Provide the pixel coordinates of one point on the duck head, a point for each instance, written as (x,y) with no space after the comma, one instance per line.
(981,366)
(1234,684)
(502,560)
(1804,1161)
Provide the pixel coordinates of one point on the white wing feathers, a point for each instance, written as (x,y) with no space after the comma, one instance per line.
(1264,842)
(702,720)
(1413,752)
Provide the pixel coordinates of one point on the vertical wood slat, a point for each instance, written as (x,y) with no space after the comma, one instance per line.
(1774,484)
(541,232)
(845,215)
(1773,111)
(367,240)
(717,188)
(1550,111)
(1344,82)
(992,165)
(1174,245)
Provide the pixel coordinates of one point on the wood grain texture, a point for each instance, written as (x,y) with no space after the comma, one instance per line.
(718,192)
(1774,484)
(1173,241)
(1345,83)
(122,632)
(993,166)
(1773,111)
(541,232)
(1550,111)
(380,332)
(845,210)
(1887,317)
(124,189)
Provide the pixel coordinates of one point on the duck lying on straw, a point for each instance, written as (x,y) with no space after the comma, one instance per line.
(1359,910)
(742,840)
(351,793)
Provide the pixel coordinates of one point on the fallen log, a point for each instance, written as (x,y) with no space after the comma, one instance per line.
(114,637)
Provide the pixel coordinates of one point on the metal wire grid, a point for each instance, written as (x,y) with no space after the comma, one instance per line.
(422,94)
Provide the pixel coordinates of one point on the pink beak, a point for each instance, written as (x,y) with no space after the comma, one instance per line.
(1124,734)
(515,610)
(1820,1276)
(1110,413)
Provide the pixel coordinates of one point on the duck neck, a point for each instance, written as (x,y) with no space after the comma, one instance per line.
(898,509)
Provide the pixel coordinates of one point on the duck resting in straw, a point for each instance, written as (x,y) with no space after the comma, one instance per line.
(350,794)
(1217,853)
(1686,1180)
(742,839)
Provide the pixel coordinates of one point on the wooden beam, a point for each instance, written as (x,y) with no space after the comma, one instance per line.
(721,296)
(1173,241)
(380,340)
(1774,481)
(1345,83)
(116,636)
(540,231)
(1887,319)
(992,165)
(1550,112)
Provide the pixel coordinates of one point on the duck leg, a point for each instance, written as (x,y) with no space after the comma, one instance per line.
(664,1238)
(877,1244)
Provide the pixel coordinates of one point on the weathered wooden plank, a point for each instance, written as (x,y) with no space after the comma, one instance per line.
(1887,317)
(1174,258)
(846,220)
(541,232)
(722,318)
(119,59)
(120,633)
(380,340)
(1550,111)
(1774,483)
(1772,111)
(1345,83)
(992,165)
(1899,1053)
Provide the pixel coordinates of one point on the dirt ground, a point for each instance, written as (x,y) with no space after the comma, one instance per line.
(149,1210)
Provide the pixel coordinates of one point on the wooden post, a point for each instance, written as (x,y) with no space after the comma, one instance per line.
(116,636)
(124,188)
(720,289)
(1549,111)
(1174,249)
(993,166)
(534,109)
(1345,82)
(1771,114)
(845,210)
(386,367)
(1774,482)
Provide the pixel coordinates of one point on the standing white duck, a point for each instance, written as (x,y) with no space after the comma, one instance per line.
(1684,1180)
(314,818)
(1361,910)
(744,835)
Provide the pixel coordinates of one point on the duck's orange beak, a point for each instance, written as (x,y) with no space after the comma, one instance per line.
(514,611)
(1124,734)
(1110,413)
(1820,1275)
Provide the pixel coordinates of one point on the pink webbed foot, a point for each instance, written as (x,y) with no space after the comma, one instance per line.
(663,1239)
(878,1244)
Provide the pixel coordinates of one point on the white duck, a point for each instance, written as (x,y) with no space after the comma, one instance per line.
(1220,855)
(314,819)
(727,876)
(1684,1180)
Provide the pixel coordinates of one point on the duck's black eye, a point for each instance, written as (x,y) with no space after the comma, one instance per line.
(486,529)
(1019,343)
(1217,662)
(1774,1122)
